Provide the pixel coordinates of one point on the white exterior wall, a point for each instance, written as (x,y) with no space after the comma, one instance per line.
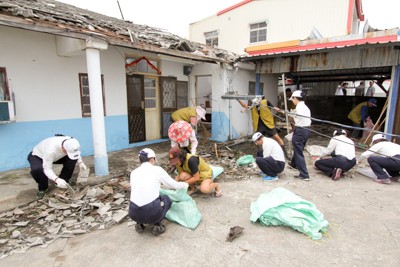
(228,121)
(54,79)
(287,20)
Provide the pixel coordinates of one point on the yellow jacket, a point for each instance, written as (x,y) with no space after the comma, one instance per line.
(356,113)
(184,114)
(205,170)
(265,114)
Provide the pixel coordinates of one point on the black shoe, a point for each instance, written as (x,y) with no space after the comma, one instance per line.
(139,227)
(158,229)
(302,178)
(292,167)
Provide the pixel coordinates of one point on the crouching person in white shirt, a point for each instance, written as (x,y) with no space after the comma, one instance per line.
(342,150)
(58,149)
(384,159)
(146,205)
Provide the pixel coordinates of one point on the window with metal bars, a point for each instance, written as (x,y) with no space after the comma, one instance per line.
(4,92)
(85,94)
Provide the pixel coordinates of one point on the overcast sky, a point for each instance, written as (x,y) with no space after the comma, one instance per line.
(175,15)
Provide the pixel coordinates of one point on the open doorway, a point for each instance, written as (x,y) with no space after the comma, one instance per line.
(204,98)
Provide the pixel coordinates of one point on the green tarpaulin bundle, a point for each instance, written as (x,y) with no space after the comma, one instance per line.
(245,160)
(282,207)
(183,209)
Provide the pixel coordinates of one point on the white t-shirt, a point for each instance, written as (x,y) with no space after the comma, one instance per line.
(339,91)
(50,150)
(272,148)
(146,181)
(387,148)
(370,91)
(304,119)
(342,145)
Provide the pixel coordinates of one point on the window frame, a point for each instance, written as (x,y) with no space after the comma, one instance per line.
(259,28)
(85,75)
(5,86)
(211,38)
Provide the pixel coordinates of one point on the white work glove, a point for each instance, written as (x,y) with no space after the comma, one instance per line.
(82,166)
(61,183)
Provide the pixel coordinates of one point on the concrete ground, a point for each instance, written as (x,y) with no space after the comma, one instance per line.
(363,227)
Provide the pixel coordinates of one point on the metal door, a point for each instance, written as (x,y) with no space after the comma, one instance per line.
(168,87)
(136,111)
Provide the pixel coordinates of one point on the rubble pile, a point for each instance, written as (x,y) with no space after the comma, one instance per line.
(63,215)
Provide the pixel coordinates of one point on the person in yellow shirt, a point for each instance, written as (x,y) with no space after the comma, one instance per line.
(194,171)
(191,115)
(263,119)
(359,114)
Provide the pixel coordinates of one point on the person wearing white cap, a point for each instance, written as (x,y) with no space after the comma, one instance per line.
(302,120)
(58,149)
(343,153)
(270,159)
(146,205)
(384,159)
(191,115)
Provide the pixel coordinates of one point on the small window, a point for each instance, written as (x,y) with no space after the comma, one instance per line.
(211,38)
(142,65)
(150,100)
(4,92)
(85,94)
(258,32)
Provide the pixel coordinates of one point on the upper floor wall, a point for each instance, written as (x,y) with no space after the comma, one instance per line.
(270,21)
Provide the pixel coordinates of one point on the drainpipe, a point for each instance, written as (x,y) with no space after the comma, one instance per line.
(96,106)
(393,96)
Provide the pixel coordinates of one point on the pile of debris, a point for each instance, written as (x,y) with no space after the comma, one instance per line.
(84,209)
(64,215)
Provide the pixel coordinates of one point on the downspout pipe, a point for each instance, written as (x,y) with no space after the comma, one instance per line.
(393,96)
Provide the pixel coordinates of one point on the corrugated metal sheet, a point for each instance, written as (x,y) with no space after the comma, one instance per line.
(390,37)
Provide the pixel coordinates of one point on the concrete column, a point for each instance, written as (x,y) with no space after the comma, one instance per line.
(96,107)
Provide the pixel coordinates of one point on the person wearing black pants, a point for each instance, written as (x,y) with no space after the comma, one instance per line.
(270,159)
(40,177)
(302,120)
(58,149)
(384,159)
(342,150)
(146,205)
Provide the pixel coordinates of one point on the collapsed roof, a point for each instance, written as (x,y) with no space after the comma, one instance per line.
(57,18)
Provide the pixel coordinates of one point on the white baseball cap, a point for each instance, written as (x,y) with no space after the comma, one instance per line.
(339,132)
(256,136)
(201,113)
(73,148)
(297,93)
(377,137)
(149,153)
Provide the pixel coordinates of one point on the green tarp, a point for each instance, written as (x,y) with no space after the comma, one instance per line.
(282,207)
(183,209)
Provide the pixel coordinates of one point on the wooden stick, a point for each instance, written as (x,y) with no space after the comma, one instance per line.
(377,122)
(216,150)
